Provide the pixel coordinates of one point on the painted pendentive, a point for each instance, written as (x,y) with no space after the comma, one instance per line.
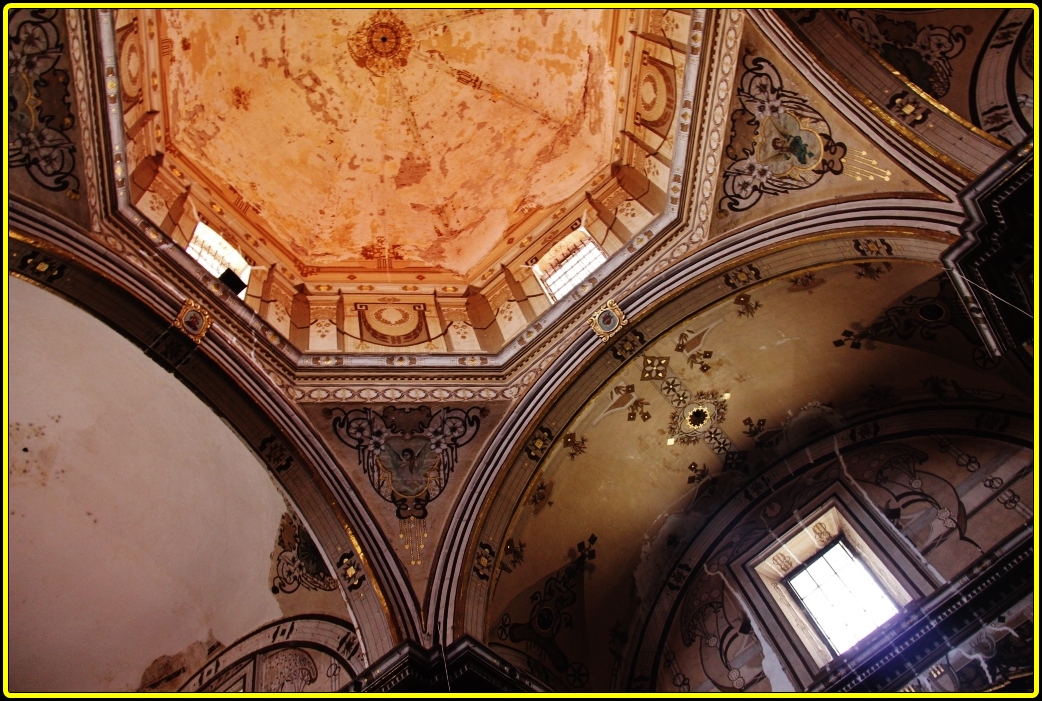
(461,459)
(408,455)
(44,121)
(791,145)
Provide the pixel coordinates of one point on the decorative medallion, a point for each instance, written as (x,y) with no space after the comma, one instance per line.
(628,344)
(790,147)
(742,276)
(698,418)
(654,367)
(539,443)
(41,266)
(408,456)
(393,324)
(656,94)
(607,320)
(131,65)
(351,571)
(381,44)
(193,320)
(873,247)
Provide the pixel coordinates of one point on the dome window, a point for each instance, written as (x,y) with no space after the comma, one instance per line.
(568,262)
(219,258)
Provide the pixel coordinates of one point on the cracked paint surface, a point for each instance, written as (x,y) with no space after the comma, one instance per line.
(273,104)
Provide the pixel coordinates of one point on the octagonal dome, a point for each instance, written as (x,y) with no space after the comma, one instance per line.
(354,135)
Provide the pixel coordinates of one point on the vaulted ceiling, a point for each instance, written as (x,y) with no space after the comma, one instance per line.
(775,190)
(417,132)
(770,370)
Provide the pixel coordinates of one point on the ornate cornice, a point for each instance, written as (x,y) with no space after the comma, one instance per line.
(680,232)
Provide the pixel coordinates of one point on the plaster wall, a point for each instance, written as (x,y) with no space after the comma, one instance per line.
(139,523)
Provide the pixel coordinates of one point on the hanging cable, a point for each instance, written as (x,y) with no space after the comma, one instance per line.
(990,293)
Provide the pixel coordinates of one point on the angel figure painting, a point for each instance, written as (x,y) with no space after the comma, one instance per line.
(408,454)
(408,465)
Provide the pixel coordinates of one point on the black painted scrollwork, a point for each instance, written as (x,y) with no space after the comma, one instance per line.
(407,454)
(790,146)
(38,102)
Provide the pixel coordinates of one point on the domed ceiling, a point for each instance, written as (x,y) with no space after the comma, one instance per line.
(355,135)
(676,432)
(513,481)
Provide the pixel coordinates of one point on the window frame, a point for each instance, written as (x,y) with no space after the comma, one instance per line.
(838,541)
(787,629)
(218,257)
(542,276)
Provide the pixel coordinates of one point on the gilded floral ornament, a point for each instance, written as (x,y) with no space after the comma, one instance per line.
(381,44)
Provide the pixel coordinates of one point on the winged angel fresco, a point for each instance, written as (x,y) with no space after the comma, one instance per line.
(407,454)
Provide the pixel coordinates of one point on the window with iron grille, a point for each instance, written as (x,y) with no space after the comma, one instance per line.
(569,263)
(218,257)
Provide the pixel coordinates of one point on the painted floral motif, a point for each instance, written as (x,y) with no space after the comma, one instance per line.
(790,147)
(729,655)
(299,563)
(38,102)
(923,54)
(740,277)
(895,478)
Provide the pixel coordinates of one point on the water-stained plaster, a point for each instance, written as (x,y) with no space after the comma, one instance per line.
(406,154)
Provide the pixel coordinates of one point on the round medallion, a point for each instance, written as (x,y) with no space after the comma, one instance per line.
(931,312)
(784,145)
(392,316)
(656,93)
(381,44)
(193,321)
(543,619)
(697,417)
(608,321)
(383,39)
(649,90)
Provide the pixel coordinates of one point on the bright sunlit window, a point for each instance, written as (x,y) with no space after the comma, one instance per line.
(568,263)
(217,255)
(841,595)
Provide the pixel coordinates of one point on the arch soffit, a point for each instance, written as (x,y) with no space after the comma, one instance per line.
(503,476)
